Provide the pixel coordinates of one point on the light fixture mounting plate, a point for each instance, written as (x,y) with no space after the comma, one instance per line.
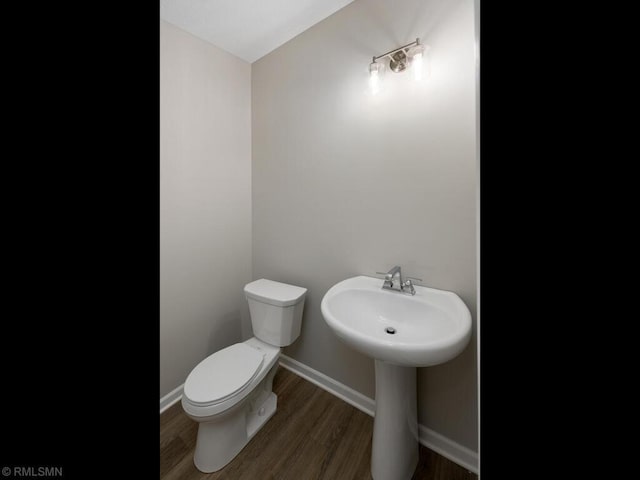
(398,61)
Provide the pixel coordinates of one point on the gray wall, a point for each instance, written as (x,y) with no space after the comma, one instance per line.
(347,184)
(205,201)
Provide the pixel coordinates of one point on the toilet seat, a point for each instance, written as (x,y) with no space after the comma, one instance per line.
(223,375)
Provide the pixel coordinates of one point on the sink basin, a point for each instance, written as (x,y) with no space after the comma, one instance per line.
(428,328)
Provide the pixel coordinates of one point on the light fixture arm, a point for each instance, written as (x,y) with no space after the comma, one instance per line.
(416,42)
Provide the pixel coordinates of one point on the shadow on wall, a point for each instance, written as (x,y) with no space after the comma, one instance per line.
(227,330)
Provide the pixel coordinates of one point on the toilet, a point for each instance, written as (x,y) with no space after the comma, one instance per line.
(229,393)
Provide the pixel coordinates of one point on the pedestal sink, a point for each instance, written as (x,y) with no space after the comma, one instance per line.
(401,332)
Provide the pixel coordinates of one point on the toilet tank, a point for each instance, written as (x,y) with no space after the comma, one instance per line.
(276,311)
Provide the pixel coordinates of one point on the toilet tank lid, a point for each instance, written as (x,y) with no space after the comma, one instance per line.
(274,293)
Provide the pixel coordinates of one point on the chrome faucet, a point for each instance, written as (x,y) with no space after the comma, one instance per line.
(390,276)
(393,281)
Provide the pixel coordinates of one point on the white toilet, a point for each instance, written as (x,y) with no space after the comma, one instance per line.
(230,392)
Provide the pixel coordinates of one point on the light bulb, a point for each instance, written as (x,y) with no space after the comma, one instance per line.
(375,77)
(417,66)
(417,62)
(374,82)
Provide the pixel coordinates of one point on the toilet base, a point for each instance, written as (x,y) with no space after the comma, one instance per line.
(258,418)
(220,440)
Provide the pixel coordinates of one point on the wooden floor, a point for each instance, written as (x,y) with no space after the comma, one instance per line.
(313,435)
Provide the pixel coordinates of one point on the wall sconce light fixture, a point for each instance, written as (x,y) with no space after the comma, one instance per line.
(409,55)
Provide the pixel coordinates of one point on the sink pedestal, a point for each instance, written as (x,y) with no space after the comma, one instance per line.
(394,454)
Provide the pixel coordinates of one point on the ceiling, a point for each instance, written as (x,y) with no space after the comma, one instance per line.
(248,29)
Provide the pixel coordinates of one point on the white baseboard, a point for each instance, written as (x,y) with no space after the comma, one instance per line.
(349,395)
(446,447)
(171,398)
(433,440)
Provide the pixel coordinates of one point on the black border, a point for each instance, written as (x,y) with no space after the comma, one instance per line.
(80,357)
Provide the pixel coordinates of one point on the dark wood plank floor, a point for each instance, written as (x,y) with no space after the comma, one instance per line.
(312,436)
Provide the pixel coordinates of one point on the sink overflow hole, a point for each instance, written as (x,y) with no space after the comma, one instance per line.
(390,330)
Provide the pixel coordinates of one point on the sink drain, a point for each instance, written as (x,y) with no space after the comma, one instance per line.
(390,330)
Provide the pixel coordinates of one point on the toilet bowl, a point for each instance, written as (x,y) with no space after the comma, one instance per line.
(230,393)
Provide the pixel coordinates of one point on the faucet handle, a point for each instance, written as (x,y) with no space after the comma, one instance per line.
(388,279)
(413,278)
(407,286)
